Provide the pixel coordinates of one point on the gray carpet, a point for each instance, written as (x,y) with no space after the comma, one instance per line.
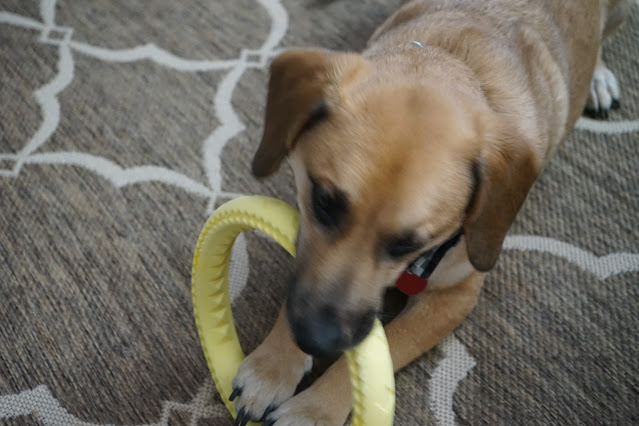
(124,123)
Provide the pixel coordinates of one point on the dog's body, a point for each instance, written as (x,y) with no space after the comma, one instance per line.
(441,125)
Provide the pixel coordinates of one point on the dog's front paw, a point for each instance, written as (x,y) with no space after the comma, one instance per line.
(319,405)
(604,93)
(265,379)
(301,410)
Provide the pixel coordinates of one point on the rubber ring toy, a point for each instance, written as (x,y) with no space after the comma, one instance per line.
(370,365)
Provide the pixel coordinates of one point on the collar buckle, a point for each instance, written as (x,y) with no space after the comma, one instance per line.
(415,278)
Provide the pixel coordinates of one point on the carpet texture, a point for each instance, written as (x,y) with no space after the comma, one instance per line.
(124,123)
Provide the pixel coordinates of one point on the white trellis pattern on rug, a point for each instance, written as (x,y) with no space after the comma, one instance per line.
(456,361)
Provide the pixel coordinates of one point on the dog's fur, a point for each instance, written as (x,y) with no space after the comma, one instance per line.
(396,149)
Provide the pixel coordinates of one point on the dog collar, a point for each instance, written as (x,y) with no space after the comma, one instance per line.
(415,278)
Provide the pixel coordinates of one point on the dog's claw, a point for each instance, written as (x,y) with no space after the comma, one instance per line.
(236,392)
(600,114)
(615,104)
(270,422)
(244,416)
(268,411)
(240,419)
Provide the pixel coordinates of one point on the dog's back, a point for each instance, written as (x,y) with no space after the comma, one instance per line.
(534,59)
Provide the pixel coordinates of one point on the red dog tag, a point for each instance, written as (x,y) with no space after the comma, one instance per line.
(410,284)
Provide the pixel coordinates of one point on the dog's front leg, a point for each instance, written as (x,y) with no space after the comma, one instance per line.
(427,319)
(270,374)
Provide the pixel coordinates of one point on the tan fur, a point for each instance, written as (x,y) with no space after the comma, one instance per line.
(497,85)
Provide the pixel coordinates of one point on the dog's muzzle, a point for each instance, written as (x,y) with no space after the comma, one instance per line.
(324,331)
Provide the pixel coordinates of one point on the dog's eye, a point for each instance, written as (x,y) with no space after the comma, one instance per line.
(402,246)
(329,208)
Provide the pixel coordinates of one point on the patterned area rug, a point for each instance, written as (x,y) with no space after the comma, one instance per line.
(124,123)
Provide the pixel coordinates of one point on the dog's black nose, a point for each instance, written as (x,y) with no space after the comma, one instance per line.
(317,334)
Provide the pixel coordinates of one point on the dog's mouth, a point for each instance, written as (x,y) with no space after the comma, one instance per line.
(362,330)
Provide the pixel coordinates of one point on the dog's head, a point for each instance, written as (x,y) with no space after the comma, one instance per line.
(388,162)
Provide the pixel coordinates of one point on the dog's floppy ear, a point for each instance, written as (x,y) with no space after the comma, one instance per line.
(505,173)
(296,92)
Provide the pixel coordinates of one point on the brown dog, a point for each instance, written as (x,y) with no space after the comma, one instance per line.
(438,129)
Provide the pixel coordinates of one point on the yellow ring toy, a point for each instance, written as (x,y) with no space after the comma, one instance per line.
(370,364)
